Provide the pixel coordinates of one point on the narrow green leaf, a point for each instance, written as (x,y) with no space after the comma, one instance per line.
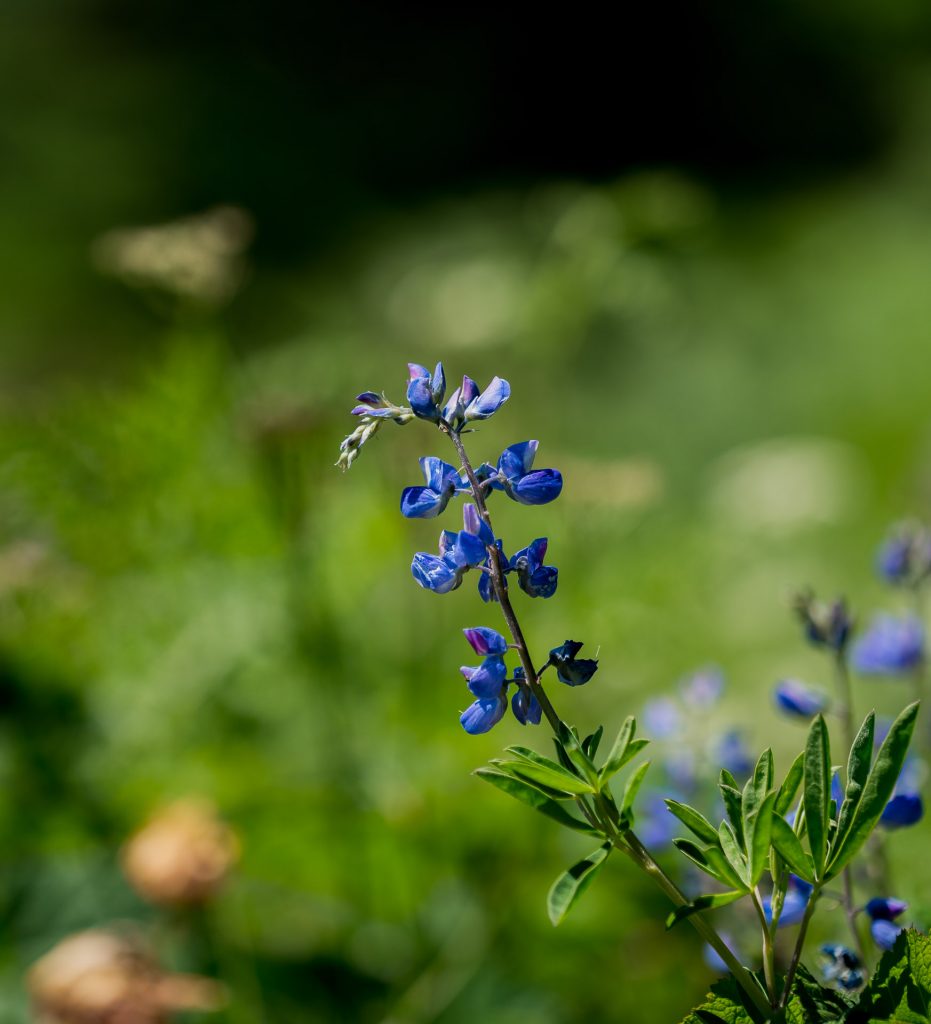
(790,849)
(759,837)
(727,779)
(631,790)
(732,806)
(711,861)
(709,902)
(590,743)
(790,785)
(732,851)
(817,792)
(572,883)
(556,778)
(694,821)
(507,768)
(535,798)
(751,802)
(616,760)
(579,762)
(878,788)
(858,771)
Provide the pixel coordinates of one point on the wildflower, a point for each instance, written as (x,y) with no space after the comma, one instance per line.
(882,914)
(374,411)
(905,556)
(890,646)
(459,552)
(903,809)
(842,966)
(571,670)
(825,625)
(442,482)
(533,577)
(484,714)
(661,717)
(425,392)
(797,699)
(487,680)
(515,476)
(733,755)
(702,689)
(527,709)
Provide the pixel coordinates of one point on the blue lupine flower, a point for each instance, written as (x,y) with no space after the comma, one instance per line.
(515,476)
(890,646)
(484,714)
(884,933)
(905,556)
(425,392)
(454,410)
(527,709)
(374,405)
(826,625)
(796,698)
(458,553)
(732,754)
(534,578)
(796,899)
(571,670)
(893,559)
(485,589)
(903,809)
(488,679)
(480,407)
(841,965)
(885,909)
(485,640)
(703,688)
(661,717)
(443,481)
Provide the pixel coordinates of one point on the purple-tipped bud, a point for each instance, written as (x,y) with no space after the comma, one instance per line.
(489,401)
(370,398)
(797,699)
(485,641)
(415,371)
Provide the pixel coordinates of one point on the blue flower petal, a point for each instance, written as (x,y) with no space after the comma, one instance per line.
(434,573)
(488,679)
(903,809)
(526,707)
(537,488)
(881,909)
(483,715)
(489,401)
(516,460)
(421,399)
(891,646)
(885,933)
(438,384)
(797,699)
(422,502)
(415,371)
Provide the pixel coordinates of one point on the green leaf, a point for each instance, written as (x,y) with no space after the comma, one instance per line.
(817,793)
(811,1003)
(858,771)
(900,989)
(759,836)
(617,758)
(591,742)
(727,779)
(712,861)
(710,902)
(507,768)
(790,849)
(541,769)
(631,790)
(733,853)
(724,1004)
(694,821)
(529,794)
(572,883)
(790,785)
(876,790)
(579,762)
(733,807)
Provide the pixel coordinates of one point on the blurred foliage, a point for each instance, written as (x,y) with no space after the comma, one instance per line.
(193,601)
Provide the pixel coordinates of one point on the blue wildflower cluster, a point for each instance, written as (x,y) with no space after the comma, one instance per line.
(475,547)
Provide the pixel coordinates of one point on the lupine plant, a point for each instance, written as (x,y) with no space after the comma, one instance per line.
(785,841)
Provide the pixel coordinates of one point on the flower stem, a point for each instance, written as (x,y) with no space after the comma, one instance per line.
(799,944)
(627,842)
(769,952)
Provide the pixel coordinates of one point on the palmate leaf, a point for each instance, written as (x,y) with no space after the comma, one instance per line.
(533,797)
(572,883)
(877,789)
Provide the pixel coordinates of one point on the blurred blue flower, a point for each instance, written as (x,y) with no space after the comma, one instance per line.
(903,809)
(662,718)
(842,966)
(458,553)
(884,933)
(656,825)
(732,754)
(534,578)
(515,476)
(713,959)
(425,392)
(825,625)
(443,481)
(571,670)
(703,688)
(905,556)
(882,913)
(890,646)
(795,698)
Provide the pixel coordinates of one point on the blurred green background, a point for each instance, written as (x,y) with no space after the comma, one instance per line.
(697,241)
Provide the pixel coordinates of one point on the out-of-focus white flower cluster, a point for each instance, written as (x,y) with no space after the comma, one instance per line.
(197,258)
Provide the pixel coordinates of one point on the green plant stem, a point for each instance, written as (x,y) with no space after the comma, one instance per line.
(799,944)
(769,951)
(627,841)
